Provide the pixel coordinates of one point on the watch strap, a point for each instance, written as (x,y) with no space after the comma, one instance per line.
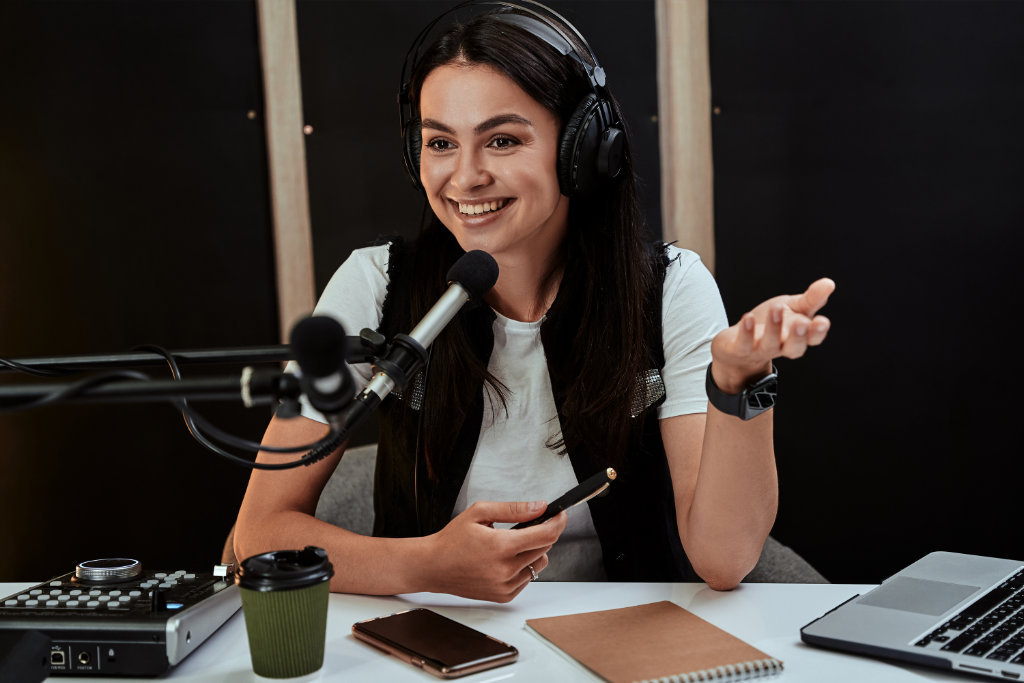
(755,398)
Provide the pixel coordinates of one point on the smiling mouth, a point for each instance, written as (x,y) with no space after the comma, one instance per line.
(477,209)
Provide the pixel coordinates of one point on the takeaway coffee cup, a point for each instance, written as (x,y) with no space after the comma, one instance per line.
(284,599)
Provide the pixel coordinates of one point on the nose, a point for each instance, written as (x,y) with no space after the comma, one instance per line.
(470,171)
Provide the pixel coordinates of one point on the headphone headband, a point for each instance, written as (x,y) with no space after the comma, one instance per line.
(533,22)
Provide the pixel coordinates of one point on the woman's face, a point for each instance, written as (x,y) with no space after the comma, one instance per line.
(489,164)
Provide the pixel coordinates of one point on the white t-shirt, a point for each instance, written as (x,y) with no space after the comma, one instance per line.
(512,461)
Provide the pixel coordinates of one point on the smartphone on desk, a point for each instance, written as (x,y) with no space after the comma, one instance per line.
(435,643)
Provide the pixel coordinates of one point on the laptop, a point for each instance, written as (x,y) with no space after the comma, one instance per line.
(947,610)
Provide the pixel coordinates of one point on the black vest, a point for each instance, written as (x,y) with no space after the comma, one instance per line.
(635,520)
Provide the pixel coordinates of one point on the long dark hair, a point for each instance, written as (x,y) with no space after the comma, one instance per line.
(602,313)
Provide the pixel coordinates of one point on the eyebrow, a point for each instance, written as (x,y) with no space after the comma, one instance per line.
(493,122)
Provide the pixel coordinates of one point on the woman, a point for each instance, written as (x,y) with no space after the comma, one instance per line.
(592,350)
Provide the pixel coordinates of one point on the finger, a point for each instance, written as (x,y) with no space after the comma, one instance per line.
(537,563)
(518,577)
(804,333)
(538,566)
(745,333)
(795,343)
(523,577)
(816,296)
(505,592)
(540,536)
(541,563)
(516,589)
(558,522)
(486,511)
(771,341)
(819,330)
(532,555)
(538,559)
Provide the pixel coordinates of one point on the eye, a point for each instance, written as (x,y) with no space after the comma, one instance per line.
(503,142)
(440,145)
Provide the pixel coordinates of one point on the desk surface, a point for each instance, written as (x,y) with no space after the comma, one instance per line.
(768,616)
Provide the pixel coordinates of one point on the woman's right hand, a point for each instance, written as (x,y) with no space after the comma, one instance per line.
(472,559)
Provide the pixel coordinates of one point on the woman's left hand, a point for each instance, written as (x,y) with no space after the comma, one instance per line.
(784,325)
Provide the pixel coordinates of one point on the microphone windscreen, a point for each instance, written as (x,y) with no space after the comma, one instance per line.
(476,271)
(319,345)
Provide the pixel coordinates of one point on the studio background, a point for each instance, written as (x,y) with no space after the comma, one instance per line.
(876,143)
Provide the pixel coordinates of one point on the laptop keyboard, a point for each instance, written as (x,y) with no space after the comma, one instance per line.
(992,627)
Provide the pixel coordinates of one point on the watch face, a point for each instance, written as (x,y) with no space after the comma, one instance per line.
(762,396)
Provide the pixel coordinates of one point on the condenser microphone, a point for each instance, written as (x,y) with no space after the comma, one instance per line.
(469,278)
(320,347)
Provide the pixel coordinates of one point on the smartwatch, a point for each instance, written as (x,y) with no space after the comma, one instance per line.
(749,403)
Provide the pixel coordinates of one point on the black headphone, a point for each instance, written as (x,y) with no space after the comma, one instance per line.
(592,141)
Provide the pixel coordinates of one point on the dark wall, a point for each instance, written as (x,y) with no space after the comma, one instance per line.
(880,143)
(133,209)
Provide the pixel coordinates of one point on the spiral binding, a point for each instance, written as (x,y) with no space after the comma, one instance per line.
(744,671)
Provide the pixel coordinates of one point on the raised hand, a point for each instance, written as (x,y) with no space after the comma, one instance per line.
(784,325)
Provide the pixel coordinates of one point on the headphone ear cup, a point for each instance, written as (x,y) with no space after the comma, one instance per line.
(588,150)
(610,153)
(412,142)
(569,146)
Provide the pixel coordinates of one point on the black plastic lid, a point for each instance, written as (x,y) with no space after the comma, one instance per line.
(282,570)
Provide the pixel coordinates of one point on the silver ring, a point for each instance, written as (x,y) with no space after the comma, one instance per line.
(532,573)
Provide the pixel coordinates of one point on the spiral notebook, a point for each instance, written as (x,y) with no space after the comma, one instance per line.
(658,641)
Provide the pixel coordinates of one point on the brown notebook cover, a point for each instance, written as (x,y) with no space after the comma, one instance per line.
(653,642)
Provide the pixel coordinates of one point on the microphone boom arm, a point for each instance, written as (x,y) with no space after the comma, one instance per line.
(251,387)
(361,349)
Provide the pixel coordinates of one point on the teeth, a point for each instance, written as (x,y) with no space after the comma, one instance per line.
(484,207)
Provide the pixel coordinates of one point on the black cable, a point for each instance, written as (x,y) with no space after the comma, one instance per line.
(307,459)
(192,418)
(79,387)
(328,445)
(38,372)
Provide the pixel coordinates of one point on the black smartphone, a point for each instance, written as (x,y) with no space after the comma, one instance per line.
(593,486)
(435,643)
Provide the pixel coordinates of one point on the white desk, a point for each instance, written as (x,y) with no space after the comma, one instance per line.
(768,616)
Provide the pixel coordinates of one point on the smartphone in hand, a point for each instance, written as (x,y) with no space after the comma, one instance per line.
(593,486)
(435,643)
